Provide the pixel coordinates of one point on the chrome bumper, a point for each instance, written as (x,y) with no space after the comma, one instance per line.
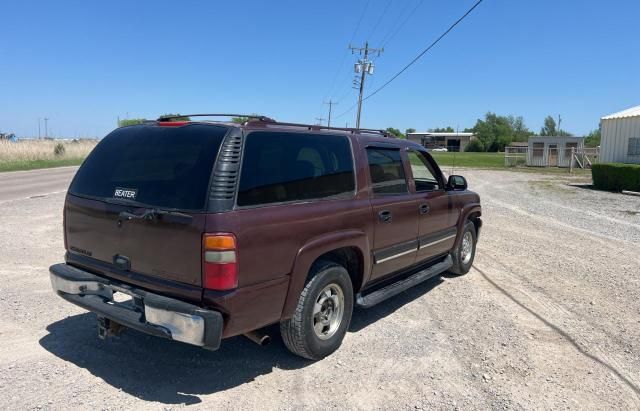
(150,313)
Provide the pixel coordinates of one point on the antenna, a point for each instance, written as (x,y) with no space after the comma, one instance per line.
(453,164)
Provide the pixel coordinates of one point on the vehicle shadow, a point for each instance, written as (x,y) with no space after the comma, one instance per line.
(155,369)
(365,317)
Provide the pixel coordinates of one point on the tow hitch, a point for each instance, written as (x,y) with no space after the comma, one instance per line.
(109,328)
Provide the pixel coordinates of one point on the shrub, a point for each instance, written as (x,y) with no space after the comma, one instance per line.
(616,176)
(58,150)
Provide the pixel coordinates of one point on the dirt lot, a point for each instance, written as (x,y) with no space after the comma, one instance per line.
(548,318)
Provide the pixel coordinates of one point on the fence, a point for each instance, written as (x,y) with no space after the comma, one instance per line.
(551,157)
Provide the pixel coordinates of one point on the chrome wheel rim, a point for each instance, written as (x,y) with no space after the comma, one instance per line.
(327,311)
(467,248)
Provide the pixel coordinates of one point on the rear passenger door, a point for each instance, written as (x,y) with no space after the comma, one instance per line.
(437,214)
(394,212)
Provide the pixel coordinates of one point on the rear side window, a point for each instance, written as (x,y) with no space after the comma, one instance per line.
(166,167)
(279,167)
(387,172)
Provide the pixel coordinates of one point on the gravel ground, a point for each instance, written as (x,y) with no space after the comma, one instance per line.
(548,318)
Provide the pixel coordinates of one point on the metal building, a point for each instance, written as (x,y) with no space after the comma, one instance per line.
(553,151)
(620,142)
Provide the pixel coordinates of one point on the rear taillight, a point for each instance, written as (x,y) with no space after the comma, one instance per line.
(219,262)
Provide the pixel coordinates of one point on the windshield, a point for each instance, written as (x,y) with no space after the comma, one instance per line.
(167,167)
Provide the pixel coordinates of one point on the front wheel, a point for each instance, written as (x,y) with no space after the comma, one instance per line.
(323,314)
(464,254)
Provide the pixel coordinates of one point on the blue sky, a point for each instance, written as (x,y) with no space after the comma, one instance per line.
(83,64)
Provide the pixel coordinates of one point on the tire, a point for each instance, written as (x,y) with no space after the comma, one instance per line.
(463,259)
(314,331)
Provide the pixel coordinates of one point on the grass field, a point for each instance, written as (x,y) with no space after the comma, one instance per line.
(472,160)
(33,154)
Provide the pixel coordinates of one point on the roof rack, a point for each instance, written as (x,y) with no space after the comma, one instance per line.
(250,116)
(384,133)
(270,121)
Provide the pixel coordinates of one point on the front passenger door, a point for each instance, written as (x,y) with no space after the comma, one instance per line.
(437,215)
(394,212)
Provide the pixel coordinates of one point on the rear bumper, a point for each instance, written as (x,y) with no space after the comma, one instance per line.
(146,312)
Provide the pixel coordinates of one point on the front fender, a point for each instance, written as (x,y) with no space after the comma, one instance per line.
(310,252)
(465,212)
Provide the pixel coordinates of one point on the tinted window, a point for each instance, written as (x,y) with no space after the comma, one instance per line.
(280,167)
(387,173)
(424,175)
(166,167)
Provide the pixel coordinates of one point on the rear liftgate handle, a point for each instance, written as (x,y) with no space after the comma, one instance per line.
(385,216)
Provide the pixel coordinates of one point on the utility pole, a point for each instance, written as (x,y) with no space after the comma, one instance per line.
(46,134)
(364,67)
(559,122)
(319,121)
(39,128)
(331,103)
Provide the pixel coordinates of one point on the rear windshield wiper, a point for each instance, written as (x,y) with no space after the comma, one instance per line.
(153,214)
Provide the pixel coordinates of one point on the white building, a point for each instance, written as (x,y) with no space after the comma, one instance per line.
(452,141)
(553,151)
(620,142)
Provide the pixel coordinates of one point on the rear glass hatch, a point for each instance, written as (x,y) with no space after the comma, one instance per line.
(138,200)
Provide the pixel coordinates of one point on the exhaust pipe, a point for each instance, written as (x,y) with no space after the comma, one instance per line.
(258,337)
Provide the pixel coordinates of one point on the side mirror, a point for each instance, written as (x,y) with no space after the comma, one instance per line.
(457,183)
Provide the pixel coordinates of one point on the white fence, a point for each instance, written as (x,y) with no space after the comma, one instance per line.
(551,157)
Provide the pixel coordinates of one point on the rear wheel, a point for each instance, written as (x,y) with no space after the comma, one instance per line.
(465,253)
(323,314)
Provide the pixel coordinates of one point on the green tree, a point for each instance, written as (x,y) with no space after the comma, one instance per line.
(549,128)
(442,130)
(593,138)
(409,130)
(243,119)
(520,130)
(492,134)
(130,122)
(395,132)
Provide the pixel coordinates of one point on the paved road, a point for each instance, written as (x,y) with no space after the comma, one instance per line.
(24,184)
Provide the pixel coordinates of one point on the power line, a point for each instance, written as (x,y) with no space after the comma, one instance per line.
(425,50)
(390,36)
(379,20)
(347,111)
(344,55)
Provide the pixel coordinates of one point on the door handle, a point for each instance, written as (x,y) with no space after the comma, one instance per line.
(424,208)
(385,216)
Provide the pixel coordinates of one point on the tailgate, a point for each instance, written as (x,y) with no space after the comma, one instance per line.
(157,248)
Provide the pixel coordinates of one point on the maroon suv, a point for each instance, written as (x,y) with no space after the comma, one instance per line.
(214,229)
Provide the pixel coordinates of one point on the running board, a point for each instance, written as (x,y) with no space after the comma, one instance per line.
(369,300)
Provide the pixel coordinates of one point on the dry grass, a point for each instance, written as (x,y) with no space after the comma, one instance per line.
(29,154)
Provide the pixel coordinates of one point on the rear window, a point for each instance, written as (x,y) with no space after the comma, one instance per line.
(166,167)
(387,171)
(279,167)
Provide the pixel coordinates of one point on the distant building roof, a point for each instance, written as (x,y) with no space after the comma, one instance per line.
(452,134)
(519,144)
(630,112)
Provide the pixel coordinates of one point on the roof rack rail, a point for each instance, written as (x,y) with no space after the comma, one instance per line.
(250,116)
(349,129)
